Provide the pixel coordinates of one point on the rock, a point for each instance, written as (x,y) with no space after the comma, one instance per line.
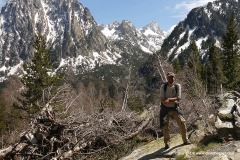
(202,130)
(155,150)
(220,124)
(225,112)
(224,129)
(236,115)
(221,157)
(196,136)
(225,116)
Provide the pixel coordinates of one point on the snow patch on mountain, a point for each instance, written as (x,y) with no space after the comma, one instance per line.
(72,33)
(149,38)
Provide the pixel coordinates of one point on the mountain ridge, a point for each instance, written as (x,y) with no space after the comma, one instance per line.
(73,35)
(205,25)
(149,37)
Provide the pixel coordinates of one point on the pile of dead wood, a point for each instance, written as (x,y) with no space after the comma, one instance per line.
(75,134)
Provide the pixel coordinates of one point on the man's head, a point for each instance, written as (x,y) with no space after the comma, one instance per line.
(170,77)
(170,74)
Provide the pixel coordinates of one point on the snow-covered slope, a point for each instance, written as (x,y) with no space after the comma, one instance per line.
(68,26)
(73,35)
(149,38)
(204,25)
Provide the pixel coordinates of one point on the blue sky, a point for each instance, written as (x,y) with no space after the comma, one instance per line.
(140,12)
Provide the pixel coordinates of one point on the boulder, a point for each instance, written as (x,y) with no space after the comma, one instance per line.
(236,116)
(224,129)
(196,135)
(225,112)
(202,130)
(228,117)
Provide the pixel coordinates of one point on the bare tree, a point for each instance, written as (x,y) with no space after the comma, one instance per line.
(161,69)
(126,93)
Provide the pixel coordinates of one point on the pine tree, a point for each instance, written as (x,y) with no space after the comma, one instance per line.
(193,70)
(231,53)
(176,65)
(214,71)
(38,76)
(193,61)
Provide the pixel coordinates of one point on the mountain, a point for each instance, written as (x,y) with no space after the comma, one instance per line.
(73,35)
(69,27)
(148,38)
(204,24)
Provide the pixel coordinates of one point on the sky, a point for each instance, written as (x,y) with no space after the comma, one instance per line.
(166,13)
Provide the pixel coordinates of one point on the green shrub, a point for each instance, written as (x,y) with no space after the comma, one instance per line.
(182,157)
(201,147)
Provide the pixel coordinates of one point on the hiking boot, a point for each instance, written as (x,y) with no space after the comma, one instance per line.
(166,146)
(186,143)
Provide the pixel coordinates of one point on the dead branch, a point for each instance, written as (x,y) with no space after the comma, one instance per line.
(77,133)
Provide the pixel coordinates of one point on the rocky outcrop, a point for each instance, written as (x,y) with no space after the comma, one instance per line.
(228,116)
(225,125)
(155,150)
(202,130)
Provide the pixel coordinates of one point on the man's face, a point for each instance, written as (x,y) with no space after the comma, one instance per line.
(170,79)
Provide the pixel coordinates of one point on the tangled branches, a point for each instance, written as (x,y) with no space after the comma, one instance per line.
(75,133)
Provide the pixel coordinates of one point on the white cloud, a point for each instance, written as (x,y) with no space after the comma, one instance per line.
(2,2)
(190,4)
(185,6)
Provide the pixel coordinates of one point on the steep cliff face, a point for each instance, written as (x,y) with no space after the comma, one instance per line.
(70,29)
(73,35)
(203,25)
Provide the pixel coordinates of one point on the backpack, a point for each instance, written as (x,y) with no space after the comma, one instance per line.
(175,85)
(176,89)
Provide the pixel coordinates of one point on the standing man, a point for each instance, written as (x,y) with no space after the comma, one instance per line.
(170,94)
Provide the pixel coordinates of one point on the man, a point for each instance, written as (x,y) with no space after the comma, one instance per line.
(170,94)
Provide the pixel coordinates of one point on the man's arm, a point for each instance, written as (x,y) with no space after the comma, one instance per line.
(170,100)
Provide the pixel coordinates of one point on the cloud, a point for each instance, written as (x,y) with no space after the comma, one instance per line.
(180,10)
(190,4)
(2,2)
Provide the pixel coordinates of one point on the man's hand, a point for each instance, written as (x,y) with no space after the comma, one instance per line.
(167,100)
(171,100)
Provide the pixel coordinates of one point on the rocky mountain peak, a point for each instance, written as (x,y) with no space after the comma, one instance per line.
(203,25)
(70,30)
(68,26)
(149,38)
(153,26)
(127,28)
